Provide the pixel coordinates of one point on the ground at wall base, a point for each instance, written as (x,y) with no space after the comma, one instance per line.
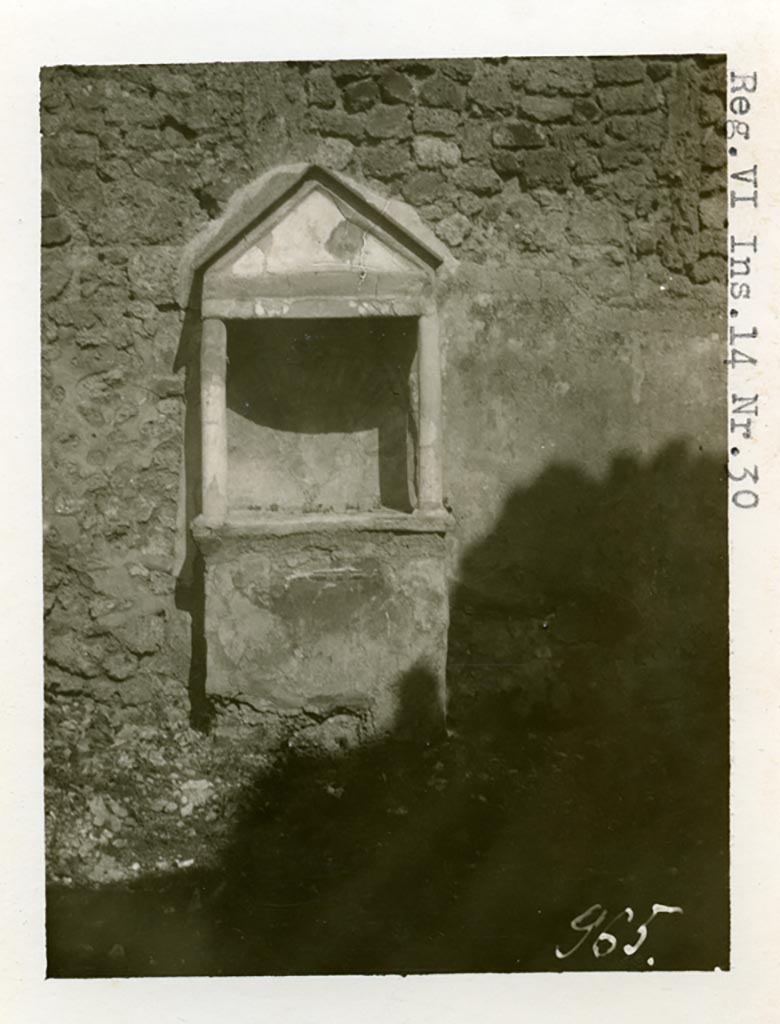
(470,853)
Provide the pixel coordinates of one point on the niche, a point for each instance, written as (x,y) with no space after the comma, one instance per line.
(322,527)
(320,415)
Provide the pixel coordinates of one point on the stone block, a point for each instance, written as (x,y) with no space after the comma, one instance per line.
(49,204)
(651,128)
(321,89)
(338,123)
(460,68)
(55,276)
(441,91)
(712,182)
(335,735)
(713,79)
(475,139)
(430,151)
(351,70)
(506,163)
(54,231)
(572,76)
(454,229)
(74,655)
(643,238)
(481,180)
(620,154)
(686,242)
(657,70)
(395,87)
(73,150)
(618,70)
(628,99)
(711,268)
(469,204)
(386,161)
(518,135)
(334,153)
(586,167)
(585,108)
(712,212)
(74,314)
(712,242)
(423,187)
(547,108)
(666,247)
(388,122)
(142,635)
(172,82)
(431,212)
(360,96)
(491,89)
(713,153)
(518,69)
(120,666)
(152,272)
(435,121)
(712,109)
(546,168)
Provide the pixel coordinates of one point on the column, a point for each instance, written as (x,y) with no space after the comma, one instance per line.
(429,494)
(213,365)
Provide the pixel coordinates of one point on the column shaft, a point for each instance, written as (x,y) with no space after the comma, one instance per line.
(429,486)
(213,367)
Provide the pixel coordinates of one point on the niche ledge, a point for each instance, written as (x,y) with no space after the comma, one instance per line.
(280,524)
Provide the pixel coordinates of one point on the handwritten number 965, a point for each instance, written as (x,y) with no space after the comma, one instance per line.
(605,942)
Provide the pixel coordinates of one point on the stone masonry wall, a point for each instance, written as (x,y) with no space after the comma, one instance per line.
(584,199)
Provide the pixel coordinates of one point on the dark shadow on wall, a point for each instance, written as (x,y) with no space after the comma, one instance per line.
(190,592)
(587,763)
(599,597)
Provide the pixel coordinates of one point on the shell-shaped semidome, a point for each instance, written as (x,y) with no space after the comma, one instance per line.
(301,227)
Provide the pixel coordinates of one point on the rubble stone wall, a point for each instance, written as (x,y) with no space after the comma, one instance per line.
(584,199)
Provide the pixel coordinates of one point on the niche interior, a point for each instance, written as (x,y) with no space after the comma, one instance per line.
(322,526)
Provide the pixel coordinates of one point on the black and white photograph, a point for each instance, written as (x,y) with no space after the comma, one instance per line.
(385,516)
(393,413)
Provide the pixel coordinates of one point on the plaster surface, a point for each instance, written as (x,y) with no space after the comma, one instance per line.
(334,622)
(316,234)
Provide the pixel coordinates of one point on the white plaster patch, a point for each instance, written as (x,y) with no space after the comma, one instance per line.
(302,242)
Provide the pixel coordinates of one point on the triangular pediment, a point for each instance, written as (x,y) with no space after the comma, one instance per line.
(301,230)
(316,232)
